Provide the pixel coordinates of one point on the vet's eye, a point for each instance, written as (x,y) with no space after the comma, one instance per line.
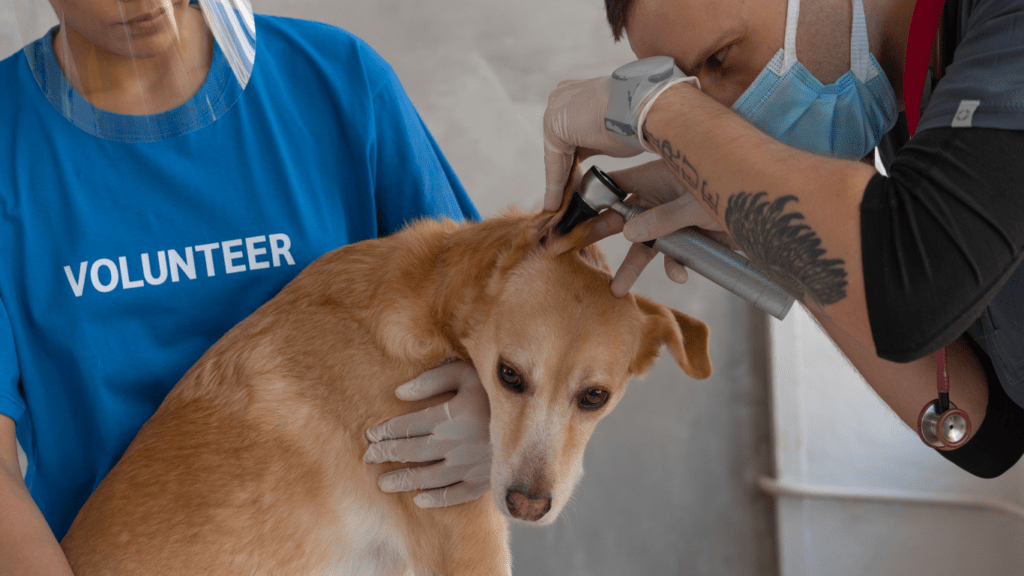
(593,399)
(717,60)
(510,377)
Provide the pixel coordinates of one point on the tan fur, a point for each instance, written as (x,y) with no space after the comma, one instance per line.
(253,463)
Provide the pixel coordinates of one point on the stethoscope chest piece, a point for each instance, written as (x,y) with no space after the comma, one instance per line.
(948,429)
(941,424)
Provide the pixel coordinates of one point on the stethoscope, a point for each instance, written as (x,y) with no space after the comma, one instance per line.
(942,424)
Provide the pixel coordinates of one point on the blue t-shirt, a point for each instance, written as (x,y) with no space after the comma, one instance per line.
(125,257)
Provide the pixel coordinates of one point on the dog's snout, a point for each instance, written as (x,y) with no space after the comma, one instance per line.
(530,507)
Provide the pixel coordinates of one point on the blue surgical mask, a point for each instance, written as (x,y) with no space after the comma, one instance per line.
(845,119)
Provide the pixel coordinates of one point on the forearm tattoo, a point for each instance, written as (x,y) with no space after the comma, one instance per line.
(781,244)
(685,169)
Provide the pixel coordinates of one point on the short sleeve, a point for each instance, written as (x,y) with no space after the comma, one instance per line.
(413,178)
(983,87)
(12,401)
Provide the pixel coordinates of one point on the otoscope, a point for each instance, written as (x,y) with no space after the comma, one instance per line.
(598,192)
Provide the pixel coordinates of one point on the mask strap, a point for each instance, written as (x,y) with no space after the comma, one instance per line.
(860,64)
(789,48)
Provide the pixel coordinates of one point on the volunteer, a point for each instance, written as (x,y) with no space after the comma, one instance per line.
(167,167)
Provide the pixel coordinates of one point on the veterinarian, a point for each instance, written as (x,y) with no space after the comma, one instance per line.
(760,127)
(167,167)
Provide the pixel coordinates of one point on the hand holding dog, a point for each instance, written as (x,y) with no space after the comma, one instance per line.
(456,433)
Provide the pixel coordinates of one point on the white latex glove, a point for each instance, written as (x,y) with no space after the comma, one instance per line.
(456,433)
(574,119)
(581,115)
(672,207)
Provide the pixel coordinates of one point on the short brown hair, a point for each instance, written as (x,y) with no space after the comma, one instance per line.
(618,11)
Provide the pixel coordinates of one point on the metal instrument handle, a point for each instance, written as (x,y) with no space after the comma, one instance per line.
(720,265)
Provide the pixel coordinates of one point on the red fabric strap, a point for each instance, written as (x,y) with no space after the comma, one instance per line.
(924,25)
(941,374)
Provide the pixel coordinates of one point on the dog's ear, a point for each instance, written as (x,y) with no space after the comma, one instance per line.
(686,338)
(543,233)
(570,185)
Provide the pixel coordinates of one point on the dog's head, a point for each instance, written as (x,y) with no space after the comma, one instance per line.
(555,354)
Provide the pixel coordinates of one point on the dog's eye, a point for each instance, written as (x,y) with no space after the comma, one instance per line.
(508,375)
(593,399)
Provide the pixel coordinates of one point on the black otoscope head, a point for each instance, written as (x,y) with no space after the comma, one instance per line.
(579,211)
(588,201)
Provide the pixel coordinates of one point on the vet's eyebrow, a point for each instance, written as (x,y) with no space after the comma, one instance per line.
(727,36)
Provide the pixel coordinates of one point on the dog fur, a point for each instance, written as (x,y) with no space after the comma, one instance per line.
(253,462)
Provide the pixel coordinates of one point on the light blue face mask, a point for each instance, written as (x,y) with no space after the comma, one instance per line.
(844,119)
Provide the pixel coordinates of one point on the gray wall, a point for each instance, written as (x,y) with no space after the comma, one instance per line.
(669,476)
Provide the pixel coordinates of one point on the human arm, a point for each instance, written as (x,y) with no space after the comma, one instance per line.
(27,545)
(722,158)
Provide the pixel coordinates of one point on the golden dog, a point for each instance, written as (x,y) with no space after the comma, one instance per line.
(253,463)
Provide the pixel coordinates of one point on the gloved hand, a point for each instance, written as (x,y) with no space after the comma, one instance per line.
(574,119)
(456,432)
(672,207)
(602,116)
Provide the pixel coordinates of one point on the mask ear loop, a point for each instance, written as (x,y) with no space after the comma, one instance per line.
(860,50)
(789,48)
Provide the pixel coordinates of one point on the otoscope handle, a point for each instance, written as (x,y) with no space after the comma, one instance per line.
(725,268)
(720,265)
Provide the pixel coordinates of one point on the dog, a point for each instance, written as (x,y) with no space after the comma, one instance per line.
(253,462)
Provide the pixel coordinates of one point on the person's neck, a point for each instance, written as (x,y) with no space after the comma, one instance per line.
(888,27)
(127,85)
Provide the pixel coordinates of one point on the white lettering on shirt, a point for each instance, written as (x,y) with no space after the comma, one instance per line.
(125,282)
(77,284)
(188,265)
(279,245)
(207,250)
(112,272)
(106,275)
(253,251)
(230,257)
(148,272)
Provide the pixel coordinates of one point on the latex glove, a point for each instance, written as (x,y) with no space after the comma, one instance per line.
(456,433)
(574,119)
(671,207)
(602,116)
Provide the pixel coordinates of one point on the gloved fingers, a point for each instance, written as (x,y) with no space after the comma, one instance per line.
(452,495)
(650,184)
(420,449)
(420,423)
(444,378)
(608,223)
(557,162)
(658,221)
(632,265)
(426,477)
(574,118)
(675,271)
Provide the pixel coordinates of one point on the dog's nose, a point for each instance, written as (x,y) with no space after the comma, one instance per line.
(531,507)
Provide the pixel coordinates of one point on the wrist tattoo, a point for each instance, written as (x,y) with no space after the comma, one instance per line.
(780,244)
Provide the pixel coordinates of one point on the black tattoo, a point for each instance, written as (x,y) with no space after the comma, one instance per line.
(685,169)
(711,201)
(784,248)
